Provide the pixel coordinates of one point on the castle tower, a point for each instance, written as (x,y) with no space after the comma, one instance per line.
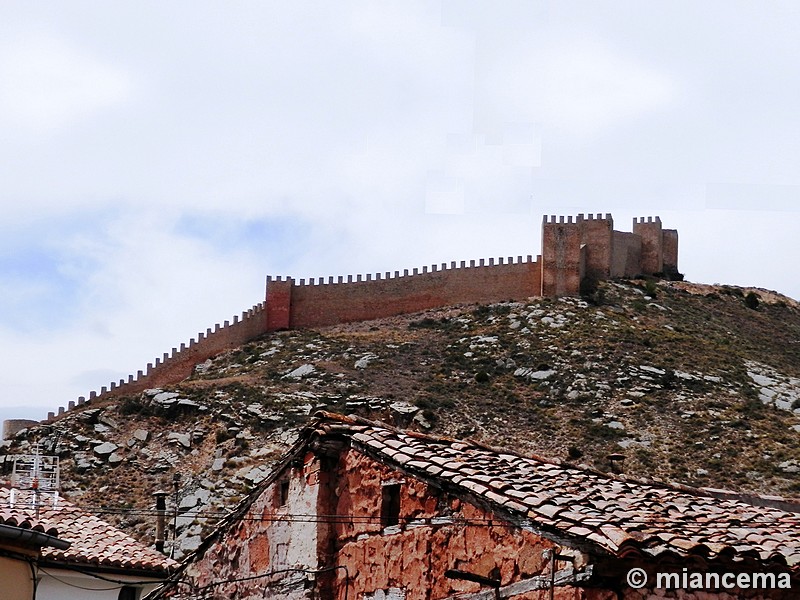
(670,246)
(563,259)
(652,257)
(279,303)
(597,236)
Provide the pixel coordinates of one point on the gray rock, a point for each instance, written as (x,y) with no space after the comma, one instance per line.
(403,408)
(534,375)
(165,398)
(142,435)
(420,420)
(180,438)
(106,420)
(218,464)
(115,458)
(191,543)
(363,362)
(105,449)
(300,372)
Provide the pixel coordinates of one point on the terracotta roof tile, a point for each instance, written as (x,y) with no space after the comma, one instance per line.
(653,518)
(93,542)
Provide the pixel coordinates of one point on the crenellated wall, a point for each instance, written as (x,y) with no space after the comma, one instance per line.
(318,303)
(177,365)
(572,248)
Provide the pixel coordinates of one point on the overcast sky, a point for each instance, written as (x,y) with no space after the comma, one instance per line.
(159,159)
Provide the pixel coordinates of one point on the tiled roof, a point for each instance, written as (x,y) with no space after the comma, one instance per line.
(93,542)
(17,516)
(608,514)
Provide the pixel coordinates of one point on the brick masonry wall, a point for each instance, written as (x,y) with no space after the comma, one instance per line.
(597,234)
(627,255)
(670,246)
(652,259)
(320,304)
(562,259)
(179,364)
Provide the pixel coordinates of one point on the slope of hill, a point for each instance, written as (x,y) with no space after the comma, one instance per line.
(675,381)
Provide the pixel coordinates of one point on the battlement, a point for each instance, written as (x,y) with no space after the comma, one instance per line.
(573,248)
(579,218)
(414,272)
(318,302)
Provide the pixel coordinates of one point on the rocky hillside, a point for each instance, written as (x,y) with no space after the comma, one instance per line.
(693,384)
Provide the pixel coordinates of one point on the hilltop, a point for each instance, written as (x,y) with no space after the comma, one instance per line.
(698,385)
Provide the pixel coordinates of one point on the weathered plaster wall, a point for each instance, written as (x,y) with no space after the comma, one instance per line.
(437,532)
(272,537)
(332,519)
(15,577)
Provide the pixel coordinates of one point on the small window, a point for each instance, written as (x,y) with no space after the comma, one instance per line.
(283,493)
(390,504)
(128,593)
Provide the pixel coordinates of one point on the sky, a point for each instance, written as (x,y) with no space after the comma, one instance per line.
(159,159)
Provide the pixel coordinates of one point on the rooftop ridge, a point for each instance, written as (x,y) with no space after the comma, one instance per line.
(788,504)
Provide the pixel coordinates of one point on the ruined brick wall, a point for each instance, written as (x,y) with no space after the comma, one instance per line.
(325,514)
(319,303)
(279,536)
(436,532)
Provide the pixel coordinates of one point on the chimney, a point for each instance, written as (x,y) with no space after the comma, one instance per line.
(161,518)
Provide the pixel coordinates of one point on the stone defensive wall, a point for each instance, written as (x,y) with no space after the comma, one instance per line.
(299,305)
(572,248)
(588,246)
(177,365)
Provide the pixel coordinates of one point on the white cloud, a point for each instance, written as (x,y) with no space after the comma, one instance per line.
(575,84)
(48,83)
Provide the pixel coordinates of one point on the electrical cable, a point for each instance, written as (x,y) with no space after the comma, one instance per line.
(354,519)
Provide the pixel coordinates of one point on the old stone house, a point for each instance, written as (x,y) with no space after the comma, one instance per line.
(359,510)
(54,550)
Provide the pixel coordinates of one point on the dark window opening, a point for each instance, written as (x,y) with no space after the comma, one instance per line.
(390,505)
(283,493)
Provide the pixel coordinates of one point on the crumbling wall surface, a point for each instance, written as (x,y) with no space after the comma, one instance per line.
(319,304)
(277,536)
(436,532)
(626,261)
